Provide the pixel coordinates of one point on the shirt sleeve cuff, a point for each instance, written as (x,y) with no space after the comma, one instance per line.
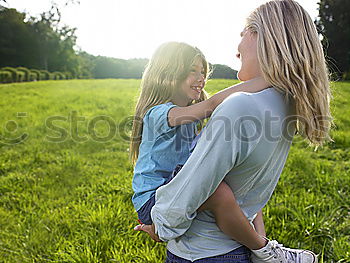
(167,231)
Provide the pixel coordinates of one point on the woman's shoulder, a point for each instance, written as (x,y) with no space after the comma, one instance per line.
(249,103)
(237,102)
(253,104)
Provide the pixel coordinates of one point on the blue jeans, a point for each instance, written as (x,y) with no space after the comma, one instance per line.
(239,255)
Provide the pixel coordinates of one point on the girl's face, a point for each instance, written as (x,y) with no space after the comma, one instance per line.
(192,86)
(247,53)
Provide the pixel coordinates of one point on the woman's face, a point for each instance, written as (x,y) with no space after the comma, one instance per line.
(247,53)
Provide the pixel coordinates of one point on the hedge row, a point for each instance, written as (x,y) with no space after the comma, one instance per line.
(9,74)
(346,76)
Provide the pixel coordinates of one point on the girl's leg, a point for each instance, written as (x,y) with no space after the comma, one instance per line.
(230,218)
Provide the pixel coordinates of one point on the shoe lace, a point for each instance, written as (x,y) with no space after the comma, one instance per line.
(288,254)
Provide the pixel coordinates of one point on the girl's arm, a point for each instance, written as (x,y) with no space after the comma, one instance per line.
(258,223)
(201,110)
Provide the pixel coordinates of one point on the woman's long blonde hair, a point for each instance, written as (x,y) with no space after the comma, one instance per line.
(291,59)
(165,72)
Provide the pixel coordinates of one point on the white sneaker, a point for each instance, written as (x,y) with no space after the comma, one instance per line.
(276,253)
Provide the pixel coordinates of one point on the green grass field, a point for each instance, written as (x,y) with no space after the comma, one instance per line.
(65,178)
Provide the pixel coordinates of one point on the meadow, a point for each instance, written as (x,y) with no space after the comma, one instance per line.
(65,178)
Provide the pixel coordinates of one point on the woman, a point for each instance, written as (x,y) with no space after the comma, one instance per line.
(247,140)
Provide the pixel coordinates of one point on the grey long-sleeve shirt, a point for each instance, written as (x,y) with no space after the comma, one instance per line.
(245,143)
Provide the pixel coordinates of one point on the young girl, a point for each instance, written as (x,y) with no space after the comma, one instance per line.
(171,103)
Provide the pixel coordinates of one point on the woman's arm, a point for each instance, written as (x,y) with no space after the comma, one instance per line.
(201,110)
(258,223)
(219,149)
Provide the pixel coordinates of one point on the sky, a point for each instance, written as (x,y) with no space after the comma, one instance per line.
(135,28)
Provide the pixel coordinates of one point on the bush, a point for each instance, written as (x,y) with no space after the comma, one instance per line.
(13,72)
(42,76)
(5,76)
(26,73)
(63,76)
(17,75)
(58,75)
(37,73)
(45,74)
(21,76)
(32,76)
(9,74)
(346,76)
(68,75)
(51,76)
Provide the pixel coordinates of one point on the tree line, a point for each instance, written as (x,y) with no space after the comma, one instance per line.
(333,23)
(43,43)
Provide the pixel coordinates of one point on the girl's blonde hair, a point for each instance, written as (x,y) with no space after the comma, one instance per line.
(291,59)
(165,72)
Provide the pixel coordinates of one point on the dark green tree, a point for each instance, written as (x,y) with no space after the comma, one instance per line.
(17,43)
(223,72)
(334,24)
(43,43)
(55,43)
(86,65)
(40,43)
(134,68)
(106,67)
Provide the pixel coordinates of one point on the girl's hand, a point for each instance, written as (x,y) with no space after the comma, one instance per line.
(150,230)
